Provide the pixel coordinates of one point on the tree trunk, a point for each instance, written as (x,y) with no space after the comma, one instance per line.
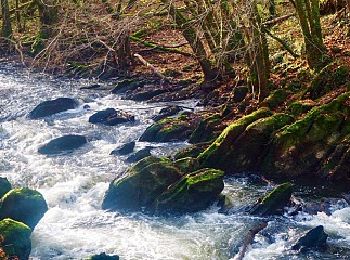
(309,18)
(48,17)
(6,20)
(210,72)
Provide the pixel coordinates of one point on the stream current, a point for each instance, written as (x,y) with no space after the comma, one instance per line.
(73,185)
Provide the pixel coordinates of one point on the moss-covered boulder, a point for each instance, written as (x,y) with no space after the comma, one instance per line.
(195,191)
(205,130)
(335,165)
(274,202)
(330,78)
(276,98)
(168,130)
(300,107)
(187,164)
(142,184)
(242,146)
(298,150)
(16,239)
(5,186)
(192,151)
(24,205)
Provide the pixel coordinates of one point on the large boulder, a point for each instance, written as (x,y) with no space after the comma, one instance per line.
(24,205)
(242,145)
(16,239)
(302,149)
(51,107)
(206,130)
(168,130)
(142,184)
(63,145)
(111,117)
(314,239)
(274,202)
(5,186)
(195,191)
(330,78)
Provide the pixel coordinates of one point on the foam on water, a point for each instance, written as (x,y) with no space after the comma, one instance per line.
(74,185)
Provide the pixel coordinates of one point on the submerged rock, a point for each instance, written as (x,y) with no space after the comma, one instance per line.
(103,256)
(5,186)
(274,202)
(124,149)
(142,184)
(24,205)
(145,152)
(314,239)
(62,145)
(16,239)
(51,107)
(111,117)
(195,191)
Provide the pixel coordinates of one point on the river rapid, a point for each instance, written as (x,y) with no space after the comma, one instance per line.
(73,185)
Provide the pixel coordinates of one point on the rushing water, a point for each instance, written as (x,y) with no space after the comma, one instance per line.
(75,227)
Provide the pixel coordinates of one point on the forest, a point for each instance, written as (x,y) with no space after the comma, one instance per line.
(221,111)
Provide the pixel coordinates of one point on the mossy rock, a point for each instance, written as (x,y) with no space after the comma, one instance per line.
(195,191)
(187,164)
(330,78)
(205,130)
(299,148)
(5,186)
(300,107)
(276,98)
(168,130)
(274,202)
(191,151)
(16,239)
(240,147)
(24,205)
(142,184)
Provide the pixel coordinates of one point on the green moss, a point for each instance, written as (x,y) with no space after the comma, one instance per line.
(298,108)
(168,130)
(142,184)
(24,205)
(316,125)
(195,191)
(16,237)
(276,98)
(274,201)
(187,164)
(330,78)
(222,144)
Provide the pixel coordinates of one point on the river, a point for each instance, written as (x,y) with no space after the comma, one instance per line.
(73,185)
